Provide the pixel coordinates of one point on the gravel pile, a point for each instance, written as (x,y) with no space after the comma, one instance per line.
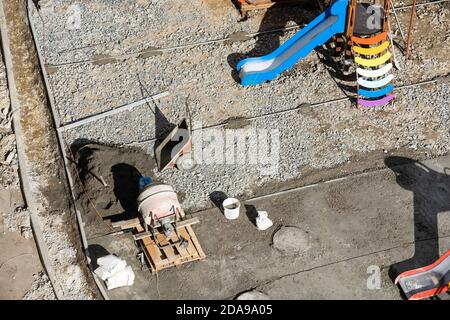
(201,77)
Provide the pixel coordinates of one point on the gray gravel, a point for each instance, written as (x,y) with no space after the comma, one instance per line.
(41,288)
(8,155)
(200,76)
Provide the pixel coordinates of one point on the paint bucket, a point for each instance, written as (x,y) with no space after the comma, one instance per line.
(231,208)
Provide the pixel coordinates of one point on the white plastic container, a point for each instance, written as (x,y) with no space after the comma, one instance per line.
(231,207)
(262,221)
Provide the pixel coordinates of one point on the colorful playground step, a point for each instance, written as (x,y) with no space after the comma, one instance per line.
(373,61)
(428,281)
(375,103)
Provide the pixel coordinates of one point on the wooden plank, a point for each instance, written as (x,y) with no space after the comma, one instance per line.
(154,252)
(149,259)
(168,250)
(127,224)
(142,235)
(152,249)
(187,222)
(190,247)
(195,241)
(176,260)
(180,225)
(181,250)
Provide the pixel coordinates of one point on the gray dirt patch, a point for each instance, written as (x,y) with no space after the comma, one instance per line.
(291,240)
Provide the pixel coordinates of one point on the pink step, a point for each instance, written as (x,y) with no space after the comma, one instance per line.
(376,103)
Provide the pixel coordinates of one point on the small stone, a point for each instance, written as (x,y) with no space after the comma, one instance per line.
(253,295)
(10,157)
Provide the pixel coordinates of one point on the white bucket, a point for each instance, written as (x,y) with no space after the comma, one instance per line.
(231,208)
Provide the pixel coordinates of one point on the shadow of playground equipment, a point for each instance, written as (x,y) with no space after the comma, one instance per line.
(431,195)
(276,17)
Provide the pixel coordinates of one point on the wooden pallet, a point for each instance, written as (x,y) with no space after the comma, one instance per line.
(172,253)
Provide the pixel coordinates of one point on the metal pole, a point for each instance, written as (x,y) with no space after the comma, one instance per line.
(411,19)
(398,22)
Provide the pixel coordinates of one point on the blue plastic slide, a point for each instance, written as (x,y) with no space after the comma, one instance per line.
(254,71)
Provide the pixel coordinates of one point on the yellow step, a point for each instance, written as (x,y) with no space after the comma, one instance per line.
(373,62)
(372,51)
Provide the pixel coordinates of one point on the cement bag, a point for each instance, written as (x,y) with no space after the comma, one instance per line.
(122,278)
(109,265)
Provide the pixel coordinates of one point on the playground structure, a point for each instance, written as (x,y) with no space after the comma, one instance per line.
(358,29)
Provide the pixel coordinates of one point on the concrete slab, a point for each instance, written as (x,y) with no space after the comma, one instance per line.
(377,223)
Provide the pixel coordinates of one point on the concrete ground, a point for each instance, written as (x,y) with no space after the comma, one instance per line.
(393,219)
(121,52)
(19,259)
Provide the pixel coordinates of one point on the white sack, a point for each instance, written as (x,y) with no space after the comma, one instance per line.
(109,265)
(122,278)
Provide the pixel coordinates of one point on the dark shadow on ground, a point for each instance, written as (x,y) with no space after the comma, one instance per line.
(217,197)
(251,212)
(275,17)
(335,68)
(431,192)
(162,125)
(126,189)
(96,251)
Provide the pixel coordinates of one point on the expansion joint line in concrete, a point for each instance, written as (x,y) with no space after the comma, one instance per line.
(355,175)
